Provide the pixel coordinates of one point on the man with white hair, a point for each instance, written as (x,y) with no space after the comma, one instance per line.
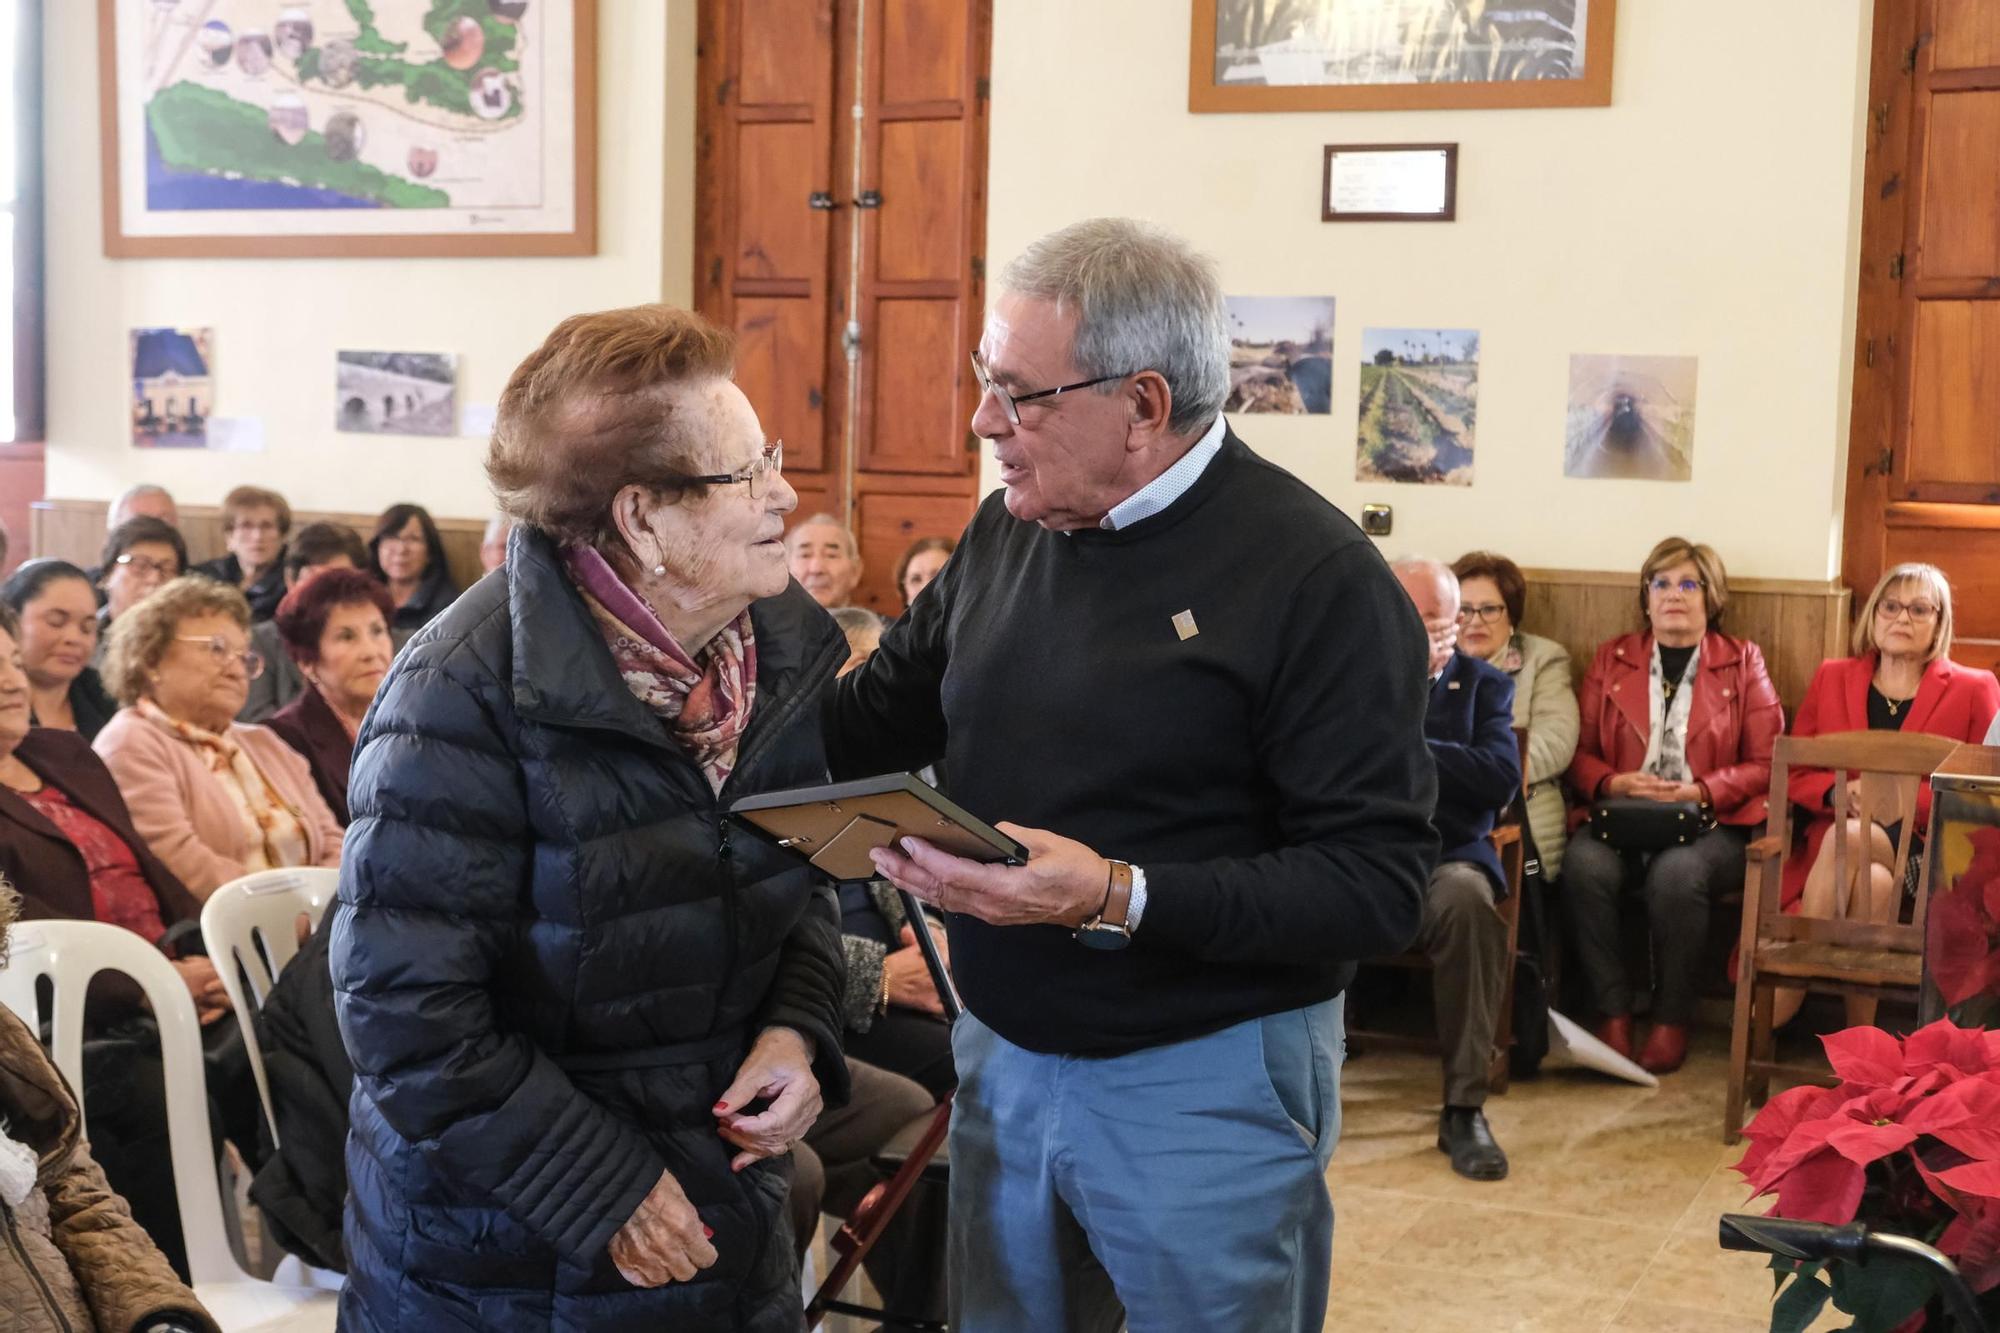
(1196,690)
(147,499)
(825,559)
(1469,727)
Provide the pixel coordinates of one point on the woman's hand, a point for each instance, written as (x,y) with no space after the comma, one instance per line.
(1646,787)
(664,1239)
(211,1001)
(907,977)
(779,1071)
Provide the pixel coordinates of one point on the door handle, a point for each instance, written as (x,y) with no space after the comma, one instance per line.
(822,201)
(868,199)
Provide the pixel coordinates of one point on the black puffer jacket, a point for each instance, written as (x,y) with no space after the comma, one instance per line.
(549,960)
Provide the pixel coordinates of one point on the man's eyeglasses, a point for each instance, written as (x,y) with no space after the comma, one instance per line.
(1686,587)
(757,476)
(224,653)
(1920,612)
(145,566)
(1010,402)
(1484,614)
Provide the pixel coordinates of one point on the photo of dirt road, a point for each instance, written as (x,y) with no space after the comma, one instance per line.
(1419,406)
(1280,354)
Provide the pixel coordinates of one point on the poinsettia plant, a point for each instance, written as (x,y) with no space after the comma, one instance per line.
(1908,1142)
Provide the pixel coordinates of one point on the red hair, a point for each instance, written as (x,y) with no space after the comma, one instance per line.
(302,616)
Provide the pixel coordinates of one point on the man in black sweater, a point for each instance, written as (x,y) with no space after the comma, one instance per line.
(1197,693)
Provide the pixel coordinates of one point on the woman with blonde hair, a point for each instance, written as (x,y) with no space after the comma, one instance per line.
(1900,678)
(1677,726)
(213,797)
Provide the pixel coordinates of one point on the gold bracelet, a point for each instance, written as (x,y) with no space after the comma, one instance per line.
(882,1001)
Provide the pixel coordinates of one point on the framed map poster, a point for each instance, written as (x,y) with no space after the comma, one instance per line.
(1398,55)
(301,128)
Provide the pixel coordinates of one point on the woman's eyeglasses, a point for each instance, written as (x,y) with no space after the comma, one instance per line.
(1484,614)
(1685,587)
(757,476)
(146,566)
(1919,612)
(224,653)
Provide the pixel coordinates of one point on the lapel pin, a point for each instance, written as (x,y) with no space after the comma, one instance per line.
(1451,685)
(1184,625)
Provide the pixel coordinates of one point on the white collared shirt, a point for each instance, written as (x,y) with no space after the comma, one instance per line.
(1170,485)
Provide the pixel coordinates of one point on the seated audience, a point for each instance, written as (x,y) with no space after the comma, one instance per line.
(143,500)
(1901,678)
(254,524)
(407,554)
(140,554)
(1679,714)
(214,798)
(317,547)
(1469,727)
(67,839)
(920,564)
(825,559)
(1493,591)
(493,543)
(336,630)
(78,1260)
(58,636)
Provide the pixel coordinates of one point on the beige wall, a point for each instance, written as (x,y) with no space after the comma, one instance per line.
(1713,211)
(278,323)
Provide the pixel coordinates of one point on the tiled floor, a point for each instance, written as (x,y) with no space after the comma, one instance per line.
(1607,1220)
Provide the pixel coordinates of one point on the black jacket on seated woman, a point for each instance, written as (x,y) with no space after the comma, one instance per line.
(407,555)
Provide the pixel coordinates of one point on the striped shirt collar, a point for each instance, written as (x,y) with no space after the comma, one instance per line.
(1170,485)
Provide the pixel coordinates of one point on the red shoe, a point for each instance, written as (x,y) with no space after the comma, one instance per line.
(1666,1048)
(1615,1032)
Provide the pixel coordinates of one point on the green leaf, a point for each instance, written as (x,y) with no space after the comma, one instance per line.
(1799,1304)
(1882,1294)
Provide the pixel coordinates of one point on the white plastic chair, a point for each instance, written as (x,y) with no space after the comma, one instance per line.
(250,927)
(69,954)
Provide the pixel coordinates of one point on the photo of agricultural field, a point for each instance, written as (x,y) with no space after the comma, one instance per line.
(1419,404)
(1280,354)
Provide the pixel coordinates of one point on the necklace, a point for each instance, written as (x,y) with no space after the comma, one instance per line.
(1895,705)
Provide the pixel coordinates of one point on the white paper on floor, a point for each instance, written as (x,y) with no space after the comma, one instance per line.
(1568,1041)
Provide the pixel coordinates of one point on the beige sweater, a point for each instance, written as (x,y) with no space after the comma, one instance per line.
(1545,704)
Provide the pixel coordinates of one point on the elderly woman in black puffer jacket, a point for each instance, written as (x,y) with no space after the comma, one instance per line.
(587,1018)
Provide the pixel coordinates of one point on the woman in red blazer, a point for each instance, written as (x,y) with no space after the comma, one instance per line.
(1900,678)
(1679,712)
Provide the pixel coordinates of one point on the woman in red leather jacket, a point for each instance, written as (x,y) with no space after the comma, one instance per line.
(1901,678)
(1677,712)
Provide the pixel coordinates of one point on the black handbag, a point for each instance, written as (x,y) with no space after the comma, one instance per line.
(1634,824)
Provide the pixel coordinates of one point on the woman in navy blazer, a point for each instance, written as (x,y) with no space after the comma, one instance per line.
(1900,678)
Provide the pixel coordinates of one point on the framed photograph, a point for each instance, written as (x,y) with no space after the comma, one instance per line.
(333,128)
(1398,182)
(1398,55)
(395,393)
(1419,406)
(1280,354)
(1630,418)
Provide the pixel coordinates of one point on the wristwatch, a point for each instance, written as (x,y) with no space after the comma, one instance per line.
(1111,928)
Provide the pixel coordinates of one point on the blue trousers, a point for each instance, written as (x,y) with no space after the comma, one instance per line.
(1174,1188)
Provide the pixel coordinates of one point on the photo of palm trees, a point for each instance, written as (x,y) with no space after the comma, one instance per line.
(1419,406)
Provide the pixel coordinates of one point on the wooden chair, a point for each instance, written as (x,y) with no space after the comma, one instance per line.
(1506,840)
(1839,955)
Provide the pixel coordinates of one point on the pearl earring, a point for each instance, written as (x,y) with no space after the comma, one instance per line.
(659,571)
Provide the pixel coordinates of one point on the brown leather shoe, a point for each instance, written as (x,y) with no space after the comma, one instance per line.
(1666,1048)
(1615,1032)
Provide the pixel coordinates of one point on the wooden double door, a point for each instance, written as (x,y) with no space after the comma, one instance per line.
(840,230)
(1924,453)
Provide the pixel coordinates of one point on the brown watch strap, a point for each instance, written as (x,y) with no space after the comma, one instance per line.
(1118,896)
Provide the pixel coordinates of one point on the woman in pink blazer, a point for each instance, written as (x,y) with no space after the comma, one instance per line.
(215,800)
(1899,679)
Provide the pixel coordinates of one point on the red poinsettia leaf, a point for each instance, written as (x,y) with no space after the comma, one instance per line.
(1861,1142)
(1980,1178)
(1825,1187)
(1791,1108)
(1868,1056)
(1958,938)
(1944,1043)
(1973,1239)
(1965,1115)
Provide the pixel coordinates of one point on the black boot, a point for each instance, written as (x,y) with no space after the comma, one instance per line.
(1463,1132)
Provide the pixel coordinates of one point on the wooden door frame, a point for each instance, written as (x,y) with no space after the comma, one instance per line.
(1881,346)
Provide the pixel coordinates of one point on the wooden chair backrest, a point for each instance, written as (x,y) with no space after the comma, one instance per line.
(1849,755)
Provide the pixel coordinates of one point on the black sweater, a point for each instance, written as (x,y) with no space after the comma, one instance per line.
(1268,772)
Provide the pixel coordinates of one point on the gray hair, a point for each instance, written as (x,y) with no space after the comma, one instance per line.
(121,507)
(1424,566)
(1144,300)
(827,521)
(856,620)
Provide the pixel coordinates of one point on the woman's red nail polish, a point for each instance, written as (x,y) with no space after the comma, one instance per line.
(708,1231)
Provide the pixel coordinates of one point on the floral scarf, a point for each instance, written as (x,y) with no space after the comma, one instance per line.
(706,700)
(277,832)
(1666,748)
